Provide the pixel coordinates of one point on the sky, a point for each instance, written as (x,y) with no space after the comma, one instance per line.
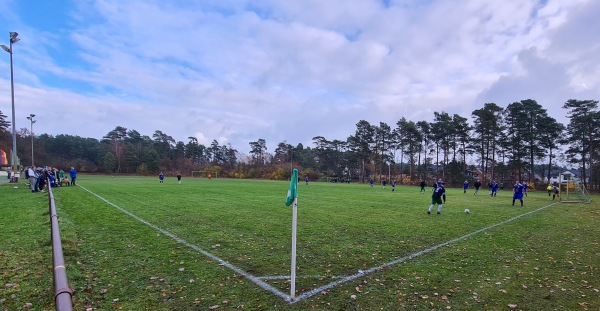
(237,71)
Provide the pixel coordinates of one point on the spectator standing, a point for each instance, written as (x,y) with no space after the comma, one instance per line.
(73,174)
(42,177)
(61,175)
(32,178)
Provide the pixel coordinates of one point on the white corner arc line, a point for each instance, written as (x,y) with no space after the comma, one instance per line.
(179,240)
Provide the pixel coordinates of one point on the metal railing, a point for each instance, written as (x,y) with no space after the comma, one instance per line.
(63,295)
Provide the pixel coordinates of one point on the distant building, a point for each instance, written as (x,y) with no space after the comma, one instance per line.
(571,175)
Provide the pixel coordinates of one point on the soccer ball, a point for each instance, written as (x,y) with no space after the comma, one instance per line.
(16,187)
(467,211)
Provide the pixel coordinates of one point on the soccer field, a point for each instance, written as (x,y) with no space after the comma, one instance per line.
(135,244)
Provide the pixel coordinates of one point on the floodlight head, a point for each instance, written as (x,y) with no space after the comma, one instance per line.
(6,48)
(32,115)
(13,37)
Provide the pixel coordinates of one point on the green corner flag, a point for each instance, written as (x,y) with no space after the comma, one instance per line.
(293,190)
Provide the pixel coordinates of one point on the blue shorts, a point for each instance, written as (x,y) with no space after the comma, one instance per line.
(518,196)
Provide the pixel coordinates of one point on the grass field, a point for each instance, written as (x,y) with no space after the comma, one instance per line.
(131,243)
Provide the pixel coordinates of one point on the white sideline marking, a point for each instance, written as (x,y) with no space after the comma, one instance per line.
(411,256)
(287,277)
(258,280)
(198,249)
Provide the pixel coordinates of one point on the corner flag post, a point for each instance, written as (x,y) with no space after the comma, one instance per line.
(292,199)
(293,268)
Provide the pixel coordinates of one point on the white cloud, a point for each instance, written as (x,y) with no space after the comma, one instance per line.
(564,68)
(237,71)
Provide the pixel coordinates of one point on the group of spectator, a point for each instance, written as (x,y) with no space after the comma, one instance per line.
(42,177)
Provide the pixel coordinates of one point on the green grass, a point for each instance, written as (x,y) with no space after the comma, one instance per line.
(543,261)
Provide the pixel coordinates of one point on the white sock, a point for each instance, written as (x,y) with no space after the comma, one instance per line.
(440,208)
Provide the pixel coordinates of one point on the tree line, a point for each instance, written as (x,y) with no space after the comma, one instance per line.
(514,142)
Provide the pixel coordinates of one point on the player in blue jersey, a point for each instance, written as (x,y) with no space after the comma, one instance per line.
(465,186)
(161,177)
(494,188)
(525,188)
(436,198)
(518,193)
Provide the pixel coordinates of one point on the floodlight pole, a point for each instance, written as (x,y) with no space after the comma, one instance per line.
(30,118)
(13,39)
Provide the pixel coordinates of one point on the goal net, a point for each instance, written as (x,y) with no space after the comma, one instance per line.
(205,174)
(574,192)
